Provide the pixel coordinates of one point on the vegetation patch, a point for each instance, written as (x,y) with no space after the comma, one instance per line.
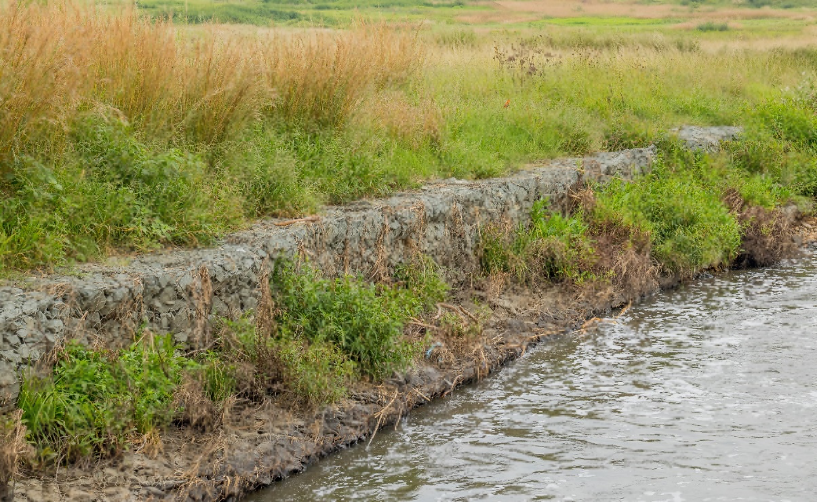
(689,227)
(711,26)
(124,132)
(94,402)
(364,320)
(309,339)
(690,213)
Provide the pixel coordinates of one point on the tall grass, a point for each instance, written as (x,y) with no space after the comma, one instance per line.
(100,110)
(60,60)
(117,131)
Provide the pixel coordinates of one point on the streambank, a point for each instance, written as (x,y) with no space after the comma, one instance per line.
(183,291)
(257,443)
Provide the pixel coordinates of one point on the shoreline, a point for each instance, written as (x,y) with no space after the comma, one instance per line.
(250,443)
(258,445)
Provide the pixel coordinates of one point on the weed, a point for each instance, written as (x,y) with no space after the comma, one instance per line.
(764,231)
(318,371)
(552,247)
(423,279)
(364,320)
(94,401)
(690,213)
(13,451)
(690,228)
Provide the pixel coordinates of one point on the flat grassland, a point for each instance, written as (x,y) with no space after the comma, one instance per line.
(170,123)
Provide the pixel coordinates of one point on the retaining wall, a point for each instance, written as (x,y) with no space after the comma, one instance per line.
(183,291)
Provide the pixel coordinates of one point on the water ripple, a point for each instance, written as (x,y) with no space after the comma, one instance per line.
(705,392)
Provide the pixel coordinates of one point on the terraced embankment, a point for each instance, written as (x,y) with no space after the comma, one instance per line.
(180,291)
(184,292)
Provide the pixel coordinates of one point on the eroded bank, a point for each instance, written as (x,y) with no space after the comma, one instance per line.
(184,292)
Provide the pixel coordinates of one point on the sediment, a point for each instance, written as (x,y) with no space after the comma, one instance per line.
(184,291)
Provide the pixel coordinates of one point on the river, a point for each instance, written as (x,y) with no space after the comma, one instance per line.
(705,392)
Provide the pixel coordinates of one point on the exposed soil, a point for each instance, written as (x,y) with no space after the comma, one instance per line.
(258,444)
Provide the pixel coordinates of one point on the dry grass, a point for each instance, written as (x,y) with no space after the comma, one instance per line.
(765,232)
(61,60)
(13,450)
(198,410)
(322,77)
(414,124)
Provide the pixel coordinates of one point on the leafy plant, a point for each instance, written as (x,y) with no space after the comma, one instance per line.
(93,401)
(689,226)
(364,320)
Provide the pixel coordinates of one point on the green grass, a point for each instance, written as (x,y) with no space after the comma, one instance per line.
(710,26)
(551,247)
(94,402)
(325,335)
(114,178)
(679,206)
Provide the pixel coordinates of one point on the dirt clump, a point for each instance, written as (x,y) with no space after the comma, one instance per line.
(766,233)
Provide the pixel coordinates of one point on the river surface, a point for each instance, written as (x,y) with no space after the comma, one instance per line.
(706,392)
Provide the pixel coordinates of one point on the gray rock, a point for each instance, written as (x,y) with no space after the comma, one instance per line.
(707,139)
(163,289)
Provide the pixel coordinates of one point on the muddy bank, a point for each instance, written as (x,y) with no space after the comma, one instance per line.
(258,444)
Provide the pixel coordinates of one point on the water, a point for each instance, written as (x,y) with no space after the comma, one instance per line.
(703,393)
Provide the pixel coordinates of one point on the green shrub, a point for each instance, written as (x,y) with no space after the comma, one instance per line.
(317,371)
(219,376)
(159,198)
(804,178)
(269,176)
(789,120)
(364,320)
(93,401)
(561,244)
(689,226)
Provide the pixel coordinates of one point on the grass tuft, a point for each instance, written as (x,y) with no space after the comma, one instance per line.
(94,402)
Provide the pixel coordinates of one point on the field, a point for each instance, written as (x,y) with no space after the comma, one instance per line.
(125,129)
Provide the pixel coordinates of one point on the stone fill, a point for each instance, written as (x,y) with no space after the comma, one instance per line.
(183,291)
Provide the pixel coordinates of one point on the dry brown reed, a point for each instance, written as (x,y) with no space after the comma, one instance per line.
(322,77)
(13,450)
(63,59)
(198,410)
